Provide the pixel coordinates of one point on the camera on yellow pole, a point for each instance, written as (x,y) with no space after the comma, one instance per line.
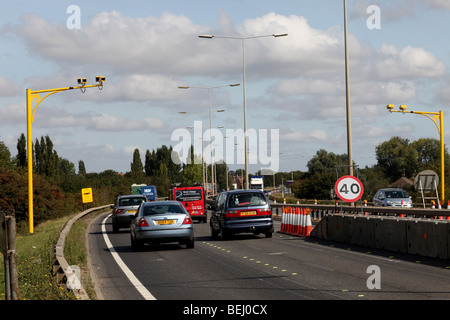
(33,96)
(438,119)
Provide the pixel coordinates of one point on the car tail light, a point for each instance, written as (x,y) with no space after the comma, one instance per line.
(231,214)
(119,211)
(143,222)
(187,220)
(265,212)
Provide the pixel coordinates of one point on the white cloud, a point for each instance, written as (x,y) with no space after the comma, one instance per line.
(437,4)
(128,44)
(408,63)
(13,114)
(296,136)
(8,87)
(52,117)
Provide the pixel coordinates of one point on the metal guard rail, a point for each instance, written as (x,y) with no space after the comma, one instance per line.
(318,211)
(60,265)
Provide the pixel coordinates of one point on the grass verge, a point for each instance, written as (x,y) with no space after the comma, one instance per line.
(35,260)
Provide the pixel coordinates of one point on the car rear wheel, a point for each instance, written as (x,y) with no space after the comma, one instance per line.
(214,233)
(136,244)
(190,244)
(115,227)
(225,235)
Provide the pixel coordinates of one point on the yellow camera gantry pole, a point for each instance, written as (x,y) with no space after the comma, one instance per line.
(33,96)
(434,116)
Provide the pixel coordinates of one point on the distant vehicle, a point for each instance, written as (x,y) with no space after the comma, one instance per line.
(257,183)
(125,209)
(162,222)
(392,197)
(136,188)
(241,211)
(193,199)
(149,191)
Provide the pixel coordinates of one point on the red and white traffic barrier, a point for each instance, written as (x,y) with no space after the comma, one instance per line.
(296,221)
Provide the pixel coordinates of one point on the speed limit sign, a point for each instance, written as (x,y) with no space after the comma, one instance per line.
(349,189)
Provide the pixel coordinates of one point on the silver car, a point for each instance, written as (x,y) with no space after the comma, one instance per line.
(392,197)
(161,222)
(125,209)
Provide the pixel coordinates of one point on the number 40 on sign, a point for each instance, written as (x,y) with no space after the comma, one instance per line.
(349,189)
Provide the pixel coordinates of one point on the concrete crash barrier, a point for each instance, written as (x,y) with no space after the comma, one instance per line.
(429,238)
(425,237)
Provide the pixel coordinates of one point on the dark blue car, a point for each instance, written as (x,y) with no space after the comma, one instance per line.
(241,211)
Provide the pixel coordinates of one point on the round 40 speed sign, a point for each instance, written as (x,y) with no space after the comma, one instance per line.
(349,189)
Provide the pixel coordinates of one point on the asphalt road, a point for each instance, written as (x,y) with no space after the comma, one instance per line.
(255,268)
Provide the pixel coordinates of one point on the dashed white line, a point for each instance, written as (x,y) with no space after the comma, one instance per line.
(130,275)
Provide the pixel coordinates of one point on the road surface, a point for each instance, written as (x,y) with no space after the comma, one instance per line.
(255,268)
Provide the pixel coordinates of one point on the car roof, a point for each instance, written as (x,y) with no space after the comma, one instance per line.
(132,196)
(243,191)
(156,203)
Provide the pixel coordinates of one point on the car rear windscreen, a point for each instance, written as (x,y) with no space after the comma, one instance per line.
(188,195)
(246,199)
(125,202)
(162,209)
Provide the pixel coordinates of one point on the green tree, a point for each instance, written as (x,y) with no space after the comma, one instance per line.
(397,157)
(151,163)
(321,175)
(5,156)
(21,159)
(137,169)
(192,172)
(81,168)
(163,155)
(46,158)
(65,168)
(161,180)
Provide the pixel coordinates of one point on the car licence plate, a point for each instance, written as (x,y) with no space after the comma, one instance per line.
(131,211)
(165,222)
(248,213)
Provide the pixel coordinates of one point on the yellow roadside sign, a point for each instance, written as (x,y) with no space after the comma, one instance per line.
(87,196)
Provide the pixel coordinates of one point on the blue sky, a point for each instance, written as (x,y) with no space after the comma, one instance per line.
(294,84)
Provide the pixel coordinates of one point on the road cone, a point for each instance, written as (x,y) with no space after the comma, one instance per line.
(308,225)
(290,220)
(300,224)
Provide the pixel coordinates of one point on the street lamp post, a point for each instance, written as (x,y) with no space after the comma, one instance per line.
(210,120)
(347,89)
(434,116)
(276,35)
(33,96)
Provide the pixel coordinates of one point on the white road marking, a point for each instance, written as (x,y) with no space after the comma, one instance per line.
(130,275)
